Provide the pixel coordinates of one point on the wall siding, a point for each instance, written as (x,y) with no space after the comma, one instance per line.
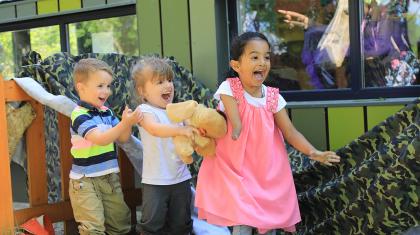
(148,27)
(7,12)
(311,123)
(93,3)
(26,10)
(344,125)
(377,114)
(47,6)
(66,5)
(204,41)
(175,31)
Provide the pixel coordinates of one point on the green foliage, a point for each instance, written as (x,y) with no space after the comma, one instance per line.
(46,40)
(124,32)
(6,54)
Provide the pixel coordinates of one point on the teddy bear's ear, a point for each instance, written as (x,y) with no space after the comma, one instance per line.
(178,112)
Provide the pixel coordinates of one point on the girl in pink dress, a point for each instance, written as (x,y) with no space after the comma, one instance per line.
(249,183)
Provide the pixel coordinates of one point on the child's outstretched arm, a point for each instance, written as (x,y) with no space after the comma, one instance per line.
(105,137)
(297,140)
(165,130)
(231,109)
(133,117)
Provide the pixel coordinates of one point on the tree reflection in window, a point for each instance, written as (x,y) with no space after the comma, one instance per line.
(118,35)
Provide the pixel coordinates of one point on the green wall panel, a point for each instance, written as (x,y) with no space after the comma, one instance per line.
(93,3)
(66,5)
(7,12)
(47,6)
(175,30)
(204,41)
(377,114)
(26,9)
(148,25)
(344,125)
(118,1)
(311,123)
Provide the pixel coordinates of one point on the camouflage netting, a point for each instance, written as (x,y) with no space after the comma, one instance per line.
(375,189)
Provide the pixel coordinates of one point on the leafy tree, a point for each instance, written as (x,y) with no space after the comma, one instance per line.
(124,32)
(6,54)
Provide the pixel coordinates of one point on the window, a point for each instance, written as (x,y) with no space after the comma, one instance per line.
(13,45)
(303,59)
(117,34)
(6,55)
(339,55)
(390,33)
(80,32)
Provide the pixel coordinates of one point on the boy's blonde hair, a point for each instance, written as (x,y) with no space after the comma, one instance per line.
(86,66)
(161,70)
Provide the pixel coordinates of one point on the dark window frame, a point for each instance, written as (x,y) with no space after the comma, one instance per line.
(357,89)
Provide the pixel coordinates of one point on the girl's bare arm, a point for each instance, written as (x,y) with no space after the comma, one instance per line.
(165,130)
(297,140)
(232,111)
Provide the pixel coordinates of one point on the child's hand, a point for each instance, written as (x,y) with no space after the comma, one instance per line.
(293,18)
(132,117)
(326,157)
(188,131)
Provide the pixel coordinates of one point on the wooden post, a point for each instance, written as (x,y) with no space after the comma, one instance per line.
(127,180)
(6,203)
(70,227)
(37,164)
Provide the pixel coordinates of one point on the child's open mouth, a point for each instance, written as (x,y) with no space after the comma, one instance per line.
(166,97)
(259,75)
(102,99)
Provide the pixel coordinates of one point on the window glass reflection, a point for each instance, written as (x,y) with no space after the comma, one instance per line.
(14,45)
(310,41)
(391,34)
(6,55)
(112,35)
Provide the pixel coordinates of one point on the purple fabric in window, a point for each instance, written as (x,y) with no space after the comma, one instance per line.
(311,38)
(376,43)
(377,37)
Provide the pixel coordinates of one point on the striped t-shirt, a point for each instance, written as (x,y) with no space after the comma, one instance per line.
(91,160)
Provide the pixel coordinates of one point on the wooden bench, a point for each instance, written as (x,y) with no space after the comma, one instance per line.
(10,219)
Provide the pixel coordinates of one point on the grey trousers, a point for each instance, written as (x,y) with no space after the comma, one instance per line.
(166,209)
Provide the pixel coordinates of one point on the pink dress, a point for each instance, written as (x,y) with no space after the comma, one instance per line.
(249,182)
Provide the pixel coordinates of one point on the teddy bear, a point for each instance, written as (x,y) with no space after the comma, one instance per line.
(210,122)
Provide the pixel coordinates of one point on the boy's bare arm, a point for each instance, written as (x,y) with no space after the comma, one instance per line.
(100,137)
(125,135)
(165,130)
(232,111)
(122,129)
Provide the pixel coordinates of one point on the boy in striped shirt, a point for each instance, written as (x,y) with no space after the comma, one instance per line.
(95,191)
